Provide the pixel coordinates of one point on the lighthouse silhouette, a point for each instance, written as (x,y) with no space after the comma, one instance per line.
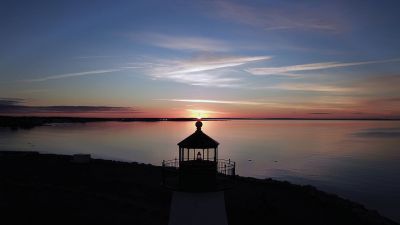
(198,179)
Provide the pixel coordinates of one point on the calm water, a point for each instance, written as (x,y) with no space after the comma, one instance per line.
(359,160)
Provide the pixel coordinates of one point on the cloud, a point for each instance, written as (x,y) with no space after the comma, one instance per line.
(209,63)
(99,56)
(393,100)
(383,88)
(206,70)
(33,91)
(279,16)
(284,70)
(68,75)
(383,104)
(10,101)
(380,84)
(272,104)
(15,106)
(203,113)
(320,113)
(188,43)
(213,101)
(311,87)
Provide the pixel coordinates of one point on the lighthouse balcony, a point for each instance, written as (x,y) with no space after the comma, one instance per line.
(196,175)
(222,166)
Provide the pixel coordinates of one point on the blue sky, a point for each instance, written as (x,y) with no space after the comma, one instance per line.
(207,58)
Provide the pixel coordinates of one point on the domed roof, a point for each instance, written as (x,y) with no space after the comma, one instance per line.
(198,139)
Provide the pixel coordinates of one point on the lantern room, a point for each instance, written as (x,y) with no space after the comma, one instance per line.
(198,146)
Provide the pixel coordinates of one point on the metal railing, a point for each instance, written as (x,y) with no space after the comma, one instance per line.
(224,166)
(173,163)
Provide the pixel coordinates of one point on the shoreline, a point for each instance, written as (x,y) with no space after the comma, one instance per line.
(106,191)
(29,122)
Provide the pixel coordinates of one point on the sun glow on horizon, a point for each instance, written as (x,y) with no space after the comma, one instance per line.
(201,113)
(198,113)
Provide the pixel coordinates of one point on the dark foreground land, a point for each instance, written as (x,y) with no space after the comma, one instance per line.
(49,189)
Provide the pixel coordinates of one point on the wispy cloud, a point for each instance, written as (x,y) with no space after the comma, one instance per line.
(311,87)
(285,70)
(16,106)
(279,16)
(33,91)
(10,101)
(324,105)
(189,43)
(382,104)
(68,75)
(203,113)
(213,101)
(210,63)
(98,56)
(379,84)
(320,113)
(205,70)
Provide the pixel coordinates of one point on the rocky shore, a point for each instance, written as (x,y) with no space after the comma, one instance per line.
(50,189)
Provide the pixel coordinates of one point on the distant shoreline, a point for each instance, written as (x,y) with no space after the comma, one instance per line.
(28,122)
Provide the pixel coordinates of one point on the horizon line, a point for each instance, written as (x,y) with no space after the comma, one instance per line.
(191,118)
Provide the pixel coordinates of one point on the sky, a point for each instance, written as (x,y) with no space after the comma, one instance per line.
(261,59)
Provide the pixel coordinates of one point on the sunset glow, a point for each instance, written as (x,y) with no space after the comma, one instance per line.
(227,59)
(200,113)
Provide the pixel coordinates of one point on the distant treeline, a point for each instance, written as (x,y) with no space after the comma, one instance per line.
(28,122)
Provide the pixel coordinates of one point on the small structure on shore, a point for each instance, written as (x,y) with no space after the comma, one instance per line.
(81,158)
(198,179)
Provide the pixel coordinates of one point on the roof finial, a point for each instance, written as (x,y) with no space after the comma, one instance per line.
(199,124)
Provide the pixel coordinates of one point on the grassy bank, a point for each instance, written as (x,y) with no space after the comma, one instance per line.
(49,189)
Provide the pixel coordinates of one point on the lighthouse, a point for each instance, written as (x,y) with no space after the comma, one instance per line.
(198,179)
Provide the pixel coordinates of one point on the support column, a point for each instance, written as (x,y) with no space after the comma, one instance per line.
(190,208)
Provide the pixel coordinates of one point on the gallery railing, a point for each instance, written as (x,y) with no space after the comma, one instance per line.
(224,166)
(226,172)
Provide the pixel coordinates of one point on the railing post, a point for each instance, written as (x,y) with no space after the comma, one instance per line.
(163,172)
